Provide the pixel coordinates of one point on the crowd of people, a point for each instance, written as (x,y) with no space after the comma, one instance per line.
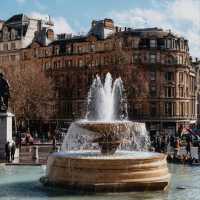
(172,146)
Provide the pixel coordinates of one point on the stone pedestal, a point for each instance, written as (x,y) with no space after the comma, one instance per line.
(5,131)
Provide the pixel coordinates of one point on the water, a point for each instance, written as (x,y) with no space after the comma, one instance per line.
(134,137)
(21,183)
(107,107)
(107,101)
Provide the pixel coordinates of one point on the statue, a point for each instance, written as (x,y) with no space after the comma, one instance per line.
(4,93)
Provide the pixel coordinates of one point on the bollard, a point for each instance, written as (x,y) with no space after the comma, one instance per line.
(35,155)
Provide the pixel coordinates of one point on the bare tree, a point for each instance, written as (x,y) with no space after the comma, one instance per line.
(31,92)
(136,76)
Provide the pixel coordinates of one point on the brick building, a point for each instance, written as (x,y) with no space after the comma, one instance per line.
(155,65)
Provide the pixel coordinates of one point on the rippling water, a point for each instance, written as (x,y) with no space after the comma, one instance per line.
(21,182)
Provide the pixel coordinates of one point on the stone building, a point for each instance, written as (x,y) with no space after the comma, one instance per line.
(18,32)
(196,64)
(155,65)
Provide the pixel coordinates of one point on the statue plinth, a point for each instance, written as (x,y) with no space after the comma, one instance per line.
(5,131)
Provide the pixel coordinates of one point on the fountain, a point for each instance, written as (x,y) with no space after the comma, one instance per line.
(105,152)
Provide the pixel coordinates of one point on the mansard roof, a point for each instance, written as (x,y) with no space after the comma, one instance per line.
(17,22)
(19,18)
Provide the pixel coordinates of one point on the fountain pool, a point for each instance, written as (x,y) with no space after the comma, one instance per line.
(22,182)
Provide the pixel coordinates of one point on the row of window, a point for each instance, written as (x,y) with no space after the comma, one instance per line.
(88,61)
(170,76)
(170,109)
(173,43)
(9,35)
(37,53)
(170,91)
(8,58)
(153,58)
(8,46)
(183,108)
(107,46)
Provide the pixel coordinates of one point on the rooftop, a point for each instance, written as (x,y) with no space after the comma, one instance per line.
(17,18)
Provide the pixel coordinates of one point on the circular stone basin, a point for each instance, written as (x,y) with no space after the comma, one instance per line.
(108,133)
(94,172)
(105,127)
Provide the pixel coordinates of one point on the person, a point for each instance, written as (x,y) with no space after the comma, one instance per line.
(54,142)
(8,151)
(158,144)
(188,144)
(163,144)
(13,148)
(4,93)
(176,147)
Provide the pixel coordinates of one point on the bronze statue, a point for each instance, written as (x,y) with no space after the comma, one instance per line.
(4,93)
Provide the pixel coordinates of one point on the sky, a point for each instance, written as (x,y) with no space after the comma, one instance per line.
(75,16)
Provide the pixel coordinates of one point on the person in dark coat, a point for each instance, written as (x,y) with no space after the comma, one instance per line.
(13,148)
(188,144)
(8,151)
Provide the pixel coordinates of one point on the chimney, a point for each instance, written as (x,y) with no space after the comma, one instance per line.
(116,29)
(93,23)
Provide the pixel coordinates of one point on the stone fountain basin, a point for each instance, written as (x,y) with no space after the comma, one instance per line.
(108,134)
(105,127)
(93,172)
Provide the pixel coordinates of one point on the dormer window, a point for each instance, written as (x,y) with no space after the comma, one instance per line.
(13,35)
(5,34)
(56,51)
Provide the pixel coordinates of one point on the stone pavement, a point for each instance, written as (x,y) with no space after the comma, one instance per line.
(26,155)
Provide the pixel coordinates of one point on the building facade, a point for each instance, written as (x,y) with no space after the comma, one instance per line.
(18,32)
(155,65)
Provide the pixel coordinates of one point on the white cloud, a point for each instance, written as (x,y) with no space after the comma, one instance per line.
(39,5)
(20,1)
(181,16)
(185,10)
(60,23)
(37,15)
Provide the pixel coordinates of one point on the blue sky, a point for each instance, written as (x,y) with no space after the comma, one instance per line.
(181,16)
